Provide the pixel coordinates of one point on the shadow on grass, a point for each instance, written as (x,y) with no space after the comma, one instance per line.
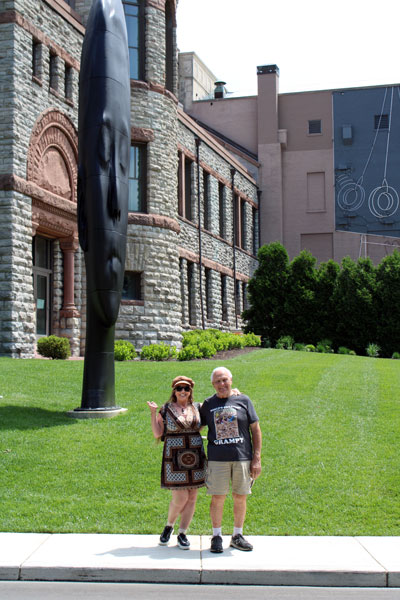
(30,417)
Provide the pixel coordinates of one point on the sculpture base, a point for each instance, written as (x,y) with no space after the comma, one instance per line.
(96,413)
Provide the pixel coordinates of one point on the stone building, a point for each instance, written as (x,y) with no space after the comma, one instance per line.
(193,205)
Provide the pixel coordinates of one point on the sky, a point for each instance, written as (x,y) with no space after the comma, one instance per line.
(315,43)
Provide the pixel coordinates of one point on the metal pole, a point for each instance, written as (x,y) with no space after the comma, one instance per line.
(198,142)
(233,171)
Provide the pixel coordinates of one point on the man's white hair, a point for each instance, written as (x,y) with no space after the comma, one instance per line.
(221,369)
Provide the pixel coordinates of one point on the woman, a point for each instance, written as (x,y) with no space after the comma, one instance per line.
(183,468)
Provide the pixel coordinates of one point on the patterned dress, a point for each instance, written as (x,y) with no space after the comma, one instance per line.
(184,462)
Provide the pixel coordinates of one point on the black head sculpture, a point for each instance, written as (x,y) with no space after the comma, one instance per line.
(103,167)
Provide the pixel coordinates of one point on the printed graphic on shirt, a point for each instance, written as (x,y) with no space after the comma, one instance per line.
(226,423)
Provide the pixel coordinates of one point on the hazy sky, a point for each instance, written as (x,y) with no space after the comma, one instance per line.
(315,43)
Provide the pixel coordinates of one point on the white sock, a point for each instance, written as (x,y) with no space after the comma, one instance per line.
(170,524)
(180,530)
(237,530)
(217,531)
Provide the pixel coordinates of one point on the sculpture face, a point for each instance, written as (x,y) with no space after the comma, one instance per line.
(104,141)
(103,157)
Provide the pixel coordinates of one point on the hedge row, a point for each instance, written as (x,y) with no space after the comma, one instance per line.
(353,304)
(195,344)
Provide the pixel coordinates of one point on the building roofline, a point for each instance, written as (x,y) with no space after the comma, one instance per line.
(189,122)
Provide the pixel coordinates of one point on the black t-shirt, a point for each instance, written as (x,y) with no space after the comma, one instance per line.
(228,421)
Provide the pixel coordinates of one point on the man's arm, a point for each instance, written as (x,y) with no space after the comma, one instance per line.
(256,437)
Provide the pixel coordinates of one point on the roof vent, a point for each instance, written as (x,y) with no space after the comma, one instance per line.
(219,91)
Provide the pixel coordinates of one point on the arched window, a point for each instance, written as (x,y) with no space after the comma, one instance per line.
(169,46)
(135,24)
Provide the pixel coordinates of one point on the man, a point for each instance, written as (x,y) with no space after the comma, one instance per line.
(234,455)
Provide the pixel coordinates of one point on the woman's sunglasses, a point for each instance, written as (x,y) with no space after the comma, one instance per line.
(182,388)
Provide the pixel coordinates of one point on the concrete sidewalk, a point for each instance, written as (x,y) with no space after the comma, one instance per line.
(297,561)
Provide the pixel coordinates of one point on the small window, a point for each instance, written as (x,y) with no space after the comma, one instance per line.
(68,82)
(208,293)
(381,122)
(137,178)
(191,293)
(53,72)
(169,47)
(221,202)
(314,127)
(132,288)
(188,188)
(134,17)
(206,197)
(224,297)
(36,59)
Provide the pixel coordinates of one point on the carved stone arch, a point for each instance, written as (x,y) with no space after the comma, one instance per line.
(53,155)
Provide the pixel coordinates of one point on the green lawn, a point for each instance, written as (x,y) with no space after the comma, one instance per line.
(331,455)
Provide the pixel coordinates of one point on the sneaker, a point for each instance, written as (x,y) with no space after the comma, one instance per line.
(240,543)
(166,534)
(183,542)
(216,544)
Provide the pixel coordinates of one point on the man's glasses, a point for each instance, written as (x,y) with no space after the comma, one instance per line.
(182,388)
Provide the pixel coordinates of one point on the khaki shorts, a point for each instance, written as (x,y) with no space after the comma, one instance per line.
(220,474)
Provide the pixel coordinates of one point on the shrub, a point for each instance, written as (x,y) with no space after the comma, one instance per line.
(343,350)
(299,347)
(124,350)
(324,346)
(191,337)
(189,352)
(396,355)
(54,347)
(207,349)
(158,352)
(372,350)
(251,339)
(235,341)
(310,348)
(285,342)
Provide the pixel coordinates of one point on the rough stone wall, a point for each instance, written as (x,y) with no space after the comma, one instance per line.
(153,250)
(17,326)
(25,95)
(217,251)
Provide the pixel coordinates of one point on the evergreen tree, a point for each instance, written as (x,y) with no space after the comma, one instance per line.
(388,304)
(354,298)
(325,318)
(266,293)
(300,300)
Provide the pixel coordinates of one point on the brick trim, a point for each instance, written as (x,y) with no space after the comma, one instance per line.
(40,197)
(210,264)
(142,135)
(152,220)
(151,86)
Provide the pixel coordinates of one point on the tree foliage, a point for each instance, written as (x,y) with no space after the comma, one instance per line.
(352,305)
(267,292)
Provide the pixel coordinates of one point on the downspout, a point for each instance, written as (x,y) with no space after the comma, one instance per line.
(198,142)
(259,194)
(233,171)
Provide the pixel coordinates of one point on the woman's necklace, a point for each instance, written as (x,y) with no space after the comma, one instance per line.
(183,408)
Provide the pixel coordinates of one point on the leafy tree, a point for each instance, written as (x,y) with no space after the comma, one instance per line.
(266,293)
(388,304)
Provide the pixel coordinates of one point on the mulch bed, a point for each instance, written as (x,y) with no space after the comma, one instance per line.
(225,354)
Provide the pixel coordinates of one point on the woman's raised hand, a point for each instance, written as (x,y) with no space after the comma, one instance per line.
(153,406)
